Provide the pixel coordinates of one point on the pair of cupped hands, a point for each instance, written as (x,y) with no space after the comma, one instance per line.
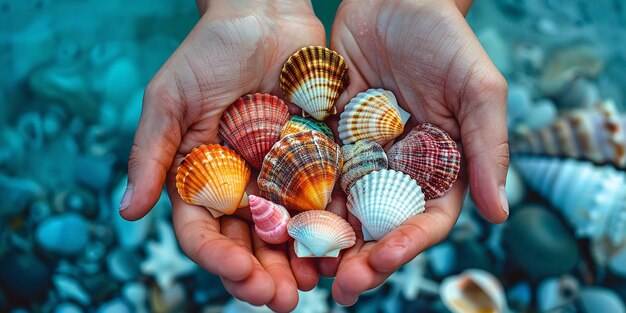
(423,51)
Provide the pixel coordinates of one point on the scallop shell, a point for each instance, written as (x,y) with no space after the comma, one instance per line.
(597,135)
(320,234)
(384,199)
(313,78)
(474,291)
(429,156)
(360,159)
(299,124)
(372,115)
(300,171)
(270,220)
(215,177)
(252,125)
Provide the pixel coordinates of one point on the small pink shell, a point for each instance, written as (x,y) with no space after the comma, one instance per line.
(429,156)
(270,220)
(252,125)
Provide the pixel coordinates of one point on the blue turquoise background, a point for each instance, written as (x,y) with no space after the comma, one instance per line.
(72,76)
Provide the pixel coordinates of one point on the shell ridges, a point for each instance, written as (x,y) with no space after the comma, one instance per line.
(320,234)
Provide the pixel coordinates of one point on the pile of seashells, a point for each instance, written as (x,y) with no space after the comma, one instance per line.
(300,162)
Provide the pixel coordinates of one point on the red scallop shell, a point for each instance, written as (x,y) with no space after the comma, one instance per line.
(252,125)
(429,156)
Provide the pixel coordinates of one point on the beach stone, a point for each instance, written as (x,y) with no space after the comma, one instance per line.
(64,234)
(542,114)
(123,264)
(540,243)
(24,278)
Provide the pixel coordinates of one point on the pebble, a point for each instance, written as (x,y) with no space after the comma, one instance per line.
(123,264)
(534,231)
(64,234)
(94,171)
(24,278)
(17,194)
(540,115)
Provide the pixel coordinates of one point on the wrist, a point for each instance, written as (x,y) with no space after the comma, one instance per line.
(228,8)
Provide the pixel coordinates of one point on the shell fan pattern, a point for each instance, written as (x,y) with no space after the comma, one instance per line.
(300,171)
(320,234)
(384,199)
(215,177)
(313,78)
(429,156)
(360,159)
(252,125)
(372,115)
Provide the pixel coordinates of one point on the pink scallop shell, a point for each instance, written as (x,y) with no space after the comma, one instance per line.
(429,156)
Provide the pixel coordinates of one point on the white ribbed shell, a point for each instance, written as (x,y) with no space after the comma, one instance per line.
(384,199)
(320,234)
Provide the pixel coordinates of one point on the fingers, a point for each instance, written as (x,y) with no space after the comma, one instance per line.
(259,288)
(355,275)
(156,140)
(274,260)
(199,236)
(485,142)
(420,232)
(304,269)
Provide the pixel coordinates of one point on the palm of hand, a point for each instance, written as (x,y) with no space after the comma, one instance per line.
(427,55)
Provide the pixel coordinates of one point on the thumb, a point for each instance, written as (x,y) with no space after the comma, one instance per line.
(485,142)
(156,140)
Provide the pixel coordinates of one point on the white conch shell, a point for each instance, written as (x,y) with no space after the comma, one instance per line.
(320,234)
(384,199)
(473,291)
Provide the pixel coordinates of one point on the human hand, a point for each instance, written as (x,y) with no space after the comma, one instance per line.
(425,53)
(234,49)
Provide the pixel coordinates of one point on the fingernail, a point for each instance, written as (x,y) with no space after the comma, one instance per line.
(503,201)
(128,196)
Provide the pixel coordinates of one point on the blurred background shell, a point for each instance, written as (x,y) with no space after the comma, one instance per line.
(473,291)
(313,78)
(320,234)
(300,171)
(215,177)
(384,199)
(252,125)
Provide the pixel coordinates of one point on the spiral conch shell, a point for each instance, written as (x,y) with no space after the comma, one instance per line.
(595,134)
(320,234)
(298,124)
(300,171)
(372,115)
(252,125)
(429,156)
(313,78)
(270,220)
(215,177)
(360,159)
(384,199)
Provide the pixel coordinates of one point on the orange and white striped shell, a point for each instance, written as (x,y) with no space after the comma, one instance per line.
(215,177)
(300,171)
(372,115)
(313,78)
(320,234)
(252,125)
